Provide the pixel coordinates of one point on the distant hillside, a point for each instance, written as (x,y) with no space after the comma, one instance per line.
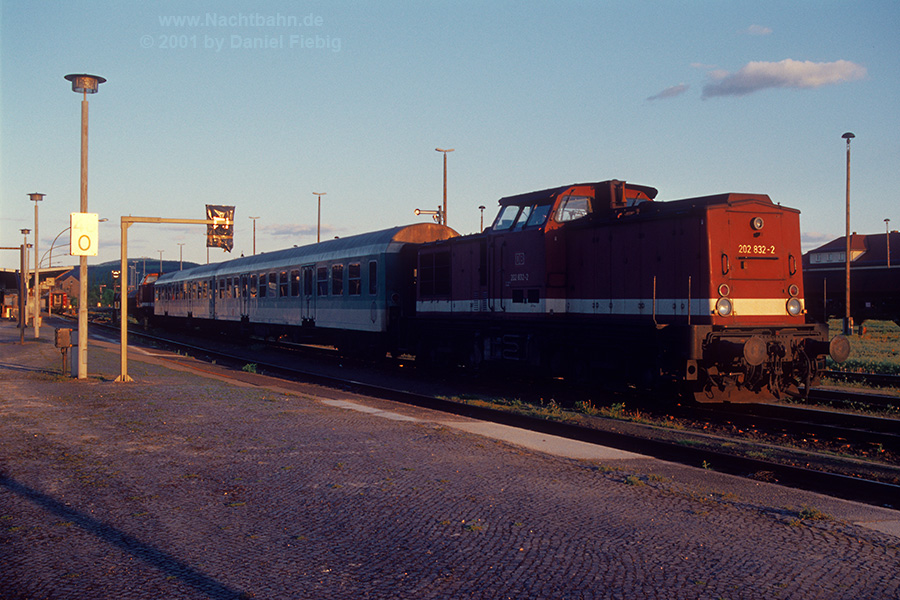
(102,274)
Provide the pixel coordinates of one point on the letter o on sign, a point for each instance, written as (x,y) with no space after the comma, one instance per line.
(83,241)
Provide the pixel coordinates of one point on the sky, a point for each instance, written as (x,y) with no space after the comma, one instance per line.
(260,104)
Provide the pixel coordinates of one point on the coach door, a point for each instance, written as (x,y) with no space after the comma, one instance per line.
(308,295)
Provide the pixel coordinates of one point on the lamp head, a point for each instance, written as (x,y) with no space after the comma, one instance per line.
(83,83)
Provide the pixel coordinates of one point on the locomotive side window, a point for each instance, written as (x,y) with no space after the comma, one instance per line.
(506,218)
(373,278)
(322,281)
(434,274)
(295,283)
(572,208)
(354,279)
(337,280)
(523,218)
(539,215)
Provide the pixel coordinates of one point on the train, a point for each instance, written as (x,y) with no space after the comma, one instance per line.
(597,282)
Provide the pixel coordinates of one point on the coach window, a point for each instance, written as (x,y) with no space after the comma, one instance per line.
(308,281)
(572,208)
(354,279)
(253,286)
(262,285)
(373,277)
(283,284)
(322,281)
(222,288)
(273,285)
(295,283)
(337,280)
(229,288)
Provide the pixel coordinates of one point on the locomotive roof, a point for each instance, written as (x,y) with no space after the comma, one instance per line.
(364,244)
(730,198)
(549,194)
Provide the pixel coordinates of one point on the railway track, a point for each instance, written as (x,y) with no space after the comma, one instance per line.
(853,478)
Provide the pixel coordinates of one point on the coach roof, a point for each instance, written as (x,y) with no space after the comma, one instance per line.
(365,244)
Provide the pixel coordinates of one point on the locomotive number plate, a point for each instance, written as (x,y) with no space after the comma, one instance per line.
(757,249)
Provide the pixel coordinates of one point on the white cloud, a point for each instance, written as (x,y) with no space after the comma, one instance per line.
(758,30)
(755,76)
(670,92)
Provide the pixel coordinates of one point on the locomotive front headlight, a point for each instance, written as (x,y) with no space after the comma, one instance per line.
(757,223)
(794,307)
(723,307)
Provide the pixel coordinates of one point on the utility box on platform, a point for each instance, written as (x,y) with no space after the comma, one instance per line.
(63,341)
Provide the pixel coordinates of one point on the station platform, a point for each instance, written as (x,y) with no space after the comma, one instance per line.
(195,481)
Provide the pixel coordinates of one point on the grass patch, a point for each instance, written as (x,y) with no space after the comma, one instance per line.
(877,350)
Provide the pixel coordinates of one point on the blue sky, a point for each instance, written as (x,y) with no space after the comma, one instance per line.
(693,98)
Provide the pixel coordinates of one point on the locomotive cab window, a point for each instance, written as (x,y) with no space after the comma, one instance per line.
(572,208)
(506,218)
(539,215)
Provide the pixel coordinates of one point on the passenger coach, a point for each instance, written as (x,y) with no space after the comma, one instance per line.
(350,292)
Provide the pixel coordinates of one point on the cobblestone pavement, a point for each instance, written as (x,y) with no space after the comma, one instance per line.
(187,486)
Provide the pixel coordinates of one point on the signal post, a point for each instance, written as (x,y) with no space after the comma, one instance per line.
(126,223)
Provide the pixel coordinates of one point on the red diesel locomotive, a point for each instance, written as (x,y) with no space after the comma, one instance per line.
(597,278)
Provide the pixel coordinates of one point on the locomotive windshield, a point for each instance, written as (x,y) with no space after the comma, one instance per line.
(515,217)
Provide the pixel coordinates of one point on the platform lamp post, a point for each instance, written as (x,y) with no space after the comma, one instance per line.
(37,269)
(180,256)
(481,208)
(444,215)
(83,84)
(319,219)
(848,323)
(887,239)
(23,284)
(160,261)
(254,234)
